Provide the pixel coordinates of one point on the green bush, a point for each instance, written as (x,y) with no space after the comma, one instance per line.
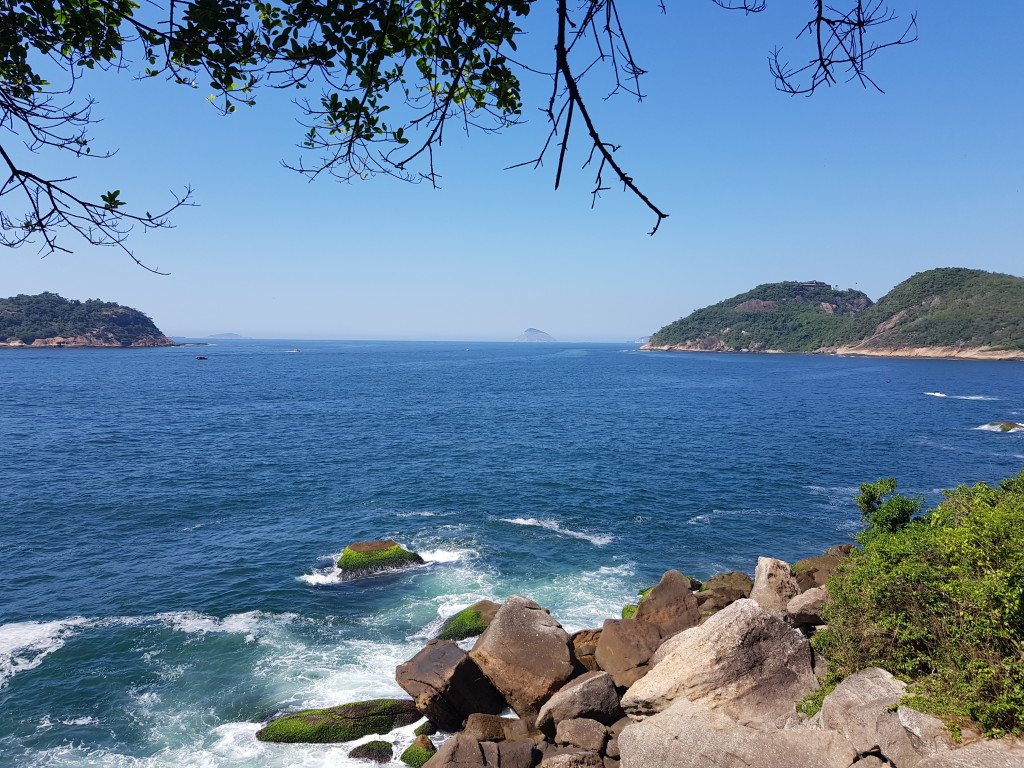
(939,602)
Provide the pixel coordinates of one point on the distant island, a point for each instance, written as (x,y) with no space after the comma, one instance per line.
(532,334)
(226,336)
(948,312)
(49,320)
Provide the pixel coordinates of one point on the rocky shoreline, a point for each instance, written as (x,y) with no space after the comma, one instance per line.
(713,675)
(942,353)
(90,340)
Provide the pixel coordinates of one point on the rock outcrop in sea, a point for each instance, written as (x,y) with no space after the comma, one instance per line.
(362,558)
(702,676)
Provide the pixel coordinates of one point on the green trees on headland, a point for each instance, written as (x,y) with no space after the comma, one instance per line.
(937,600)
(26,318)
(948,307)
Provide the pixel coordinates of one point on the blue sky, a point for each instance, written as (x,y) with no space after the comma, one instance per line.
(853,187)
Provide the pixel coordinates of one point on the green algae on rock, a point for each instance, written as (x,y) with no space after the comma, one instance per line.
(419,752)
(469,622)
(376,751)
(628,611)
(364,557)
(345,722)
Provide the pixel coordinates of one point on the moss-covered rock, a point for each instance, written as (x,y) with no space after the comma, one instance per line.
(377,751)
(363,557)
(469,622)
(419,752)
(346,722)
(427,728)
(1007,426)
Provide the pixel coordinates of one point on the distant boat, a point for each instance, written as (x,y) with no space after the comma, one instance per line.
(202,357)
(293,350)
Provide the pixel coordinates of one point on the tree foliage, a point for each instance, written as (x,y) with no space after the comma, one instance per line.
(46,315)
(939,602)
(392,75)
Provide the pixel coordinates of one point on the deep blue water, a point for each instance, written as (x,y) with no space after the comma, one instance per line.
(168,524)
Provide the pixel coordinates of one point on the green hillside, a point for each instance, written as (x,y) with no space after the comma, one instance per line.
(92,323)
(948,307)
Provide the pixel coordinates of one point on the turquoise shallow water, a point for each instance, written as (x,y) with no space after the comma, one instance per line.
(169,524)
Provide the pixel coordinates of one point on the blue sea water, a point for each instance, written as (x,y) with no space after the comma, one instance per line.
(169,524)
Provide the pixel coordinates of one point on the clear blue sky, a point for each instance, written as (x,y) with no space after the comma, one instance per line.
(852,187)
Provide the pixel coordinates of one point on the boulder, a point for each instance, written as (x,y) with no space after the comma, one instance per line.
(419,752)
(687,735)
(525,654)
(583,645)
(374,751)
(816,571)
(485,727)
(460,751)
(582,732)
(804,609)
(447,685)
(573,760)
(774,585)
(742,661)
(365,557)
(517,729)
(1003,753)
(721,590)
(592,695)
(516,754)
(863,708)
(670,605)
(625,648)
(469,622)
(346,722)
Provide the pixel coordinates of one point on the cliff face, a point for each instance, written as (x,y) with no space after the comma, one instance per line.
(947,312)
(48,320)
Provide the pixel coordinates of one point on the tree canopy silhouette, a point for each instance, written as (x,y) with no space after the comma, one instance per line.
(390,76)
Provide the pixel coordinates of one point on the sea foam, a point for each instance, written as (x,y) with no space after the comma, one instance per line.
(598,539)
(24,645)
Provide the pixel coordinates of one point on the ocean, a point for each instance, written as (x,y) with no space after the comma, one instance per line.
(169,524)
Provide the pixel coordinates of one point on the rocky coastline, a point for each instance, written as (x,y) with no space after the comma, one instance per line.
(90,340)
(718,674)
(943,353)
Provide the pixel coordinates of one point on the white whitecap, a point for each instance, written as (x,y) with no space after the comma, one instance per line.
(598,539)
(936,394)
(250,623)
(973,397)
(24,645)
(699,520)
(446,555)
(997,428)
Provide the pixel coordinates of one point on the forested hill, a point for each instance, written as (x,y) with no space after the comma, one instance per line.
(49,320)
(951,309)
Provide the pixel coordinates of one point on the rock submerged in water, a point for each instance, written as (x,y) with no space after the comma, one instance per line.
(365,557)
(1006,426)
(346,722)
(374,751)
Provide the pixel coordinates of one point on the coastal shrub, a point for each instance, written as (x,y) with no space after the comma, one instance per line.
(883,509)
(939,602)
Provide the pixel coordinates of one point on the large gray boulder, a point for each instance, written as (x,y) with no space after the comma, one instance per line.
(864,709)
(688,735)
(525,654)
(583,733)
(447,685)
(804,610)
(742,661)
(670,606)
(592,695)
(460,751)
(774,585)
(625,648)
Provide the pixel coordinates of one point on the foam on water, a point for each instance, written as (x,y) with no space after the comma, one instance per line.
(597,539)
(936,394)
(24,645)
(250,624)
(962,397)
(997,428)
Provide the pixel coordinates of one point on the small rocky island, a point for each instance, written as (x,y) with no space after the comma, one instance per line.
(362,558)
(533,334)
(49,320)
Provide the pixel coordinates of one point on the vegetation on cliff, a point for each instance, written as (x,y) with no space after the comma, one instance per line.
(26,318)
(948,307)
(938,600)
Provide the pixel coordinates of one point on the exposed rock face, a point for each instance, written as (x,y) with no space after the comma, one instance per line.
(743,661)
(590,696)
(687,735)
(625,648)
(97,339)
(346,722)
(583,645)
(774,586)
(1005,753)
(816,571)
(670,606)
(362,558)
(863,709)
(583,733)
(447,685)
(525,654)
